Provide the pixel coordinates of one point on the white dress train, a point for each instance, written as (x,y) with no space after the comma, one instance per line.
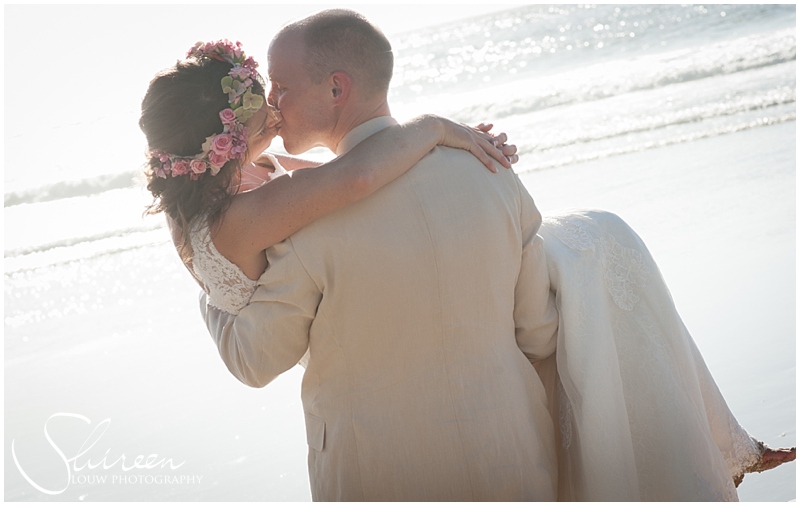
(639,416)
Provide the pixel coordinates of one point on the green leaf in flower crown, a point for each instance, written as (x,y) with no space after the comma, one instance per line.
(252,101)
(242,114)
(257,102)
(227,84)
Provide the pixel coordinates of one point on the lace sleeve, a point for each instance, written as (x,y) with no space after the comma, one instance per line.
(228,288)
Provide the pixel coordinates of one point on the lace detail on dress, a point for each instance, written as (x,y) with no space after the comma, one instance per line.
(572,233)
(746,452)
(625,269)
(228,288)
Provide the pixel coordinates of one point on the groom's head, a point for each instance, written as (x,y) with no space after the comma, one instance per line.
(327,70)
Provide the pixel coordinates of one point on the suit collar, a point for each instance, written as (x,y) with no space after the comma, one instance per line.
(362,131)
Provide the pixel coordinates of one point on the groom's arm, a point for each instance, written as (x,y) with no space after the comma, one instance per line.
(535,313)
(269,335)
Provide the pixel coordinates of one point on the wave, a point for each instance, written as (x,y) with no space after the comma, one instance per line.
(73,241)
(611,79)
(766,101)
(647,144)
(67,189)
(80,249)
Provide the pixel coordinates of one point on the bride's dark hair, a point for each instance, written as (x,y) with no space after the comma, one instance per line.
(179,111)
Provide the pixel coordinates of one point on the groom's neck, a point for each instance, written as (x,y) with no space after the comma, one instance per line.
(350,119)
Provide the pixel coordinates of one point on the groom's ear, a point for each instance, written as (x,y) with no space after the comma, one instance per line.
(340,87)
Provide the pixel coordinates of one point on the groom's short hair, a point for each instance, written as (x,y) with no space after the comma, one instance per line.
(345,41)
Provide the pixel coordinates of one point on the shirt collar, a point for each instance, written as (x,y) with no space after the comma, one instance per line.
(362,131)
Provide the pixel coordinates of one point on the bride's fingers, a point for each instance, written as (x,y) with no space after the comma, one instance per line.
(480,154)
(507,152)
(500,139)
(479,143)
(508,149)
(496,153)
(484,150)
(483,135)
(510,152)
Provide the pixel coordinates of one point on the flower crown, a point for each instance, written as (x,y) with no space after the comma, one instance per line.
(232,142)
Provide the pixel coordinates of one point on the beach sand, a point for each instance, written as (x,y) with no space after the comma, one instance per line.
(123,340)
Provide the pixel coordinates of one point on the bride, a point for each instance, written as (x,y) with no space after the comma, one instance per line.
(638,415)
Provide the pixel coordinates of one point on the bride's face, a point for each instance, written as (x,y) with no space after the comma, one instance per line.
(262,127)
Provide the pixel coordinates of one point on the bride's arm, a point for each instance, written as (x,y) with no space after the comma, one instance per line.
(291,163)
(287,204)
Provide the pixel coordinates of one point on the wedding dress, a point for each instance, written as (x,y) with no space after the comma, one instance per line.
(639,415)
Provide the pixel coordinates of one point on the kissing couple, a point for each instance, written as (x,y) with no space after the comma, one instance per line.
(457,346)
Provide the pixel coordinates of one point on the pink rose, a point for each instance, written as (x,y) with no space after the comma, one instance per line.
(216,159)
(197,166)
(180,167)
(222,143)
(227,116)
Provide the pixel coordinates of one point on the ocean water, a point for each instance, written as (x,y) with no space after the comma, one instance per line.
(570,84)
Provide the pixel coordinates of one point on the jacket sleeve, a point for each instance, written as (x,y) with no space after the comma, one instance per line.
(270,335)
(535,313)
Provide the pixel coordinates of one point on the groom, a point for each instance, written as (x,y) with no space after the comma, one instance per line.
(421,307)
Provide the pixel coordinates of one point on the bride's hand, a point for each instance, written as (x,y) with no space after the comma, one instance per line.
(479,143)
(509,150)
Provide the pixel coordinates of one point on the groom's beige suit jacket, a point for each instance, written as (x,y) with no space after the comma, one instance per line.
(421,308)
